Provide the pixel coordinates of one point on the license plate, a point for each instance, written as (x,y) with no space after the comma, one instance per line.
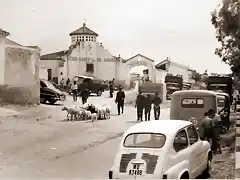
(135,172)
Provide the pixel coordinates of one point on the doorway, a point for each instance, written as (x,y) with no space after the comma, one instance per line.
(49,74)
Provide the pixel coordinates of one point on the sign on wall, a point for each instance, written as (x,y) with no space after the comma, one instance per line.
(61,63)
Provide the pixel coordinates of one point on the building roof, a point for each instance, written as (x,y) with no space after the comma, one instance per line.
(10,42)
(4,33)
(83,31)
(166,127)
(54,56)
(157,66)
(140,56)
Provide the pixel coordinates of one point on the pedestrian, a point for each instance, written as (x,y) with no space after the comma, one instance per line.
(156,102)
(140,105)
(208,126)
(120,97)
(216,119)
(234,105)
(111,89)
(148,107)
(74,88)
(84,94)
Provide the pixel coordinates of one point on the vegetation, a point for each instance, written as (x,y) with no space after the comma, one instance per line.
(226,21)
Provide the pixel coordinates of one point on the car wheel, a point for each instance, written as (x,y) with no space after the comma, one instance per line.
(42,100)
(52,101)
(99,93)
(207,172)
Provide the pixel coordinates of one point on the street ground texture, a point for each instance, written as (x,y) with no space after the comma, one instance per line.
(38,141)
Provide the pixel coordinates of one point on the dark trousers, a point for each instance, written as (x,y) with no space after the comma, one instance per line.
(74,95)
(139,113)
(111,94)
(84,100)
(147,112)
(156,112)
(120,106)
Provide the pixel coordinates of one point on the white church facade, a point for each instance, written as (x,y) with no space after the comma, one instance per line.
(86,56)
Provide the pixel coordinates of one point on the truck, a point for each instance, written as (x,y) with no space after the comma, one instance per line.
(93,85)
(173,83)
(221,83)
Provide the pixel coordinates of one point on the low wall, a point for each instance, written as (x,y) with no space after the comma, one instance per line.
(19,95)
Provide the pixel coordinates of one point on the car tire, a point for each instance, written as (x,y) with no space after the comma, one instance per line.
(207,172)
(51,101)
(99,93)
(42,100)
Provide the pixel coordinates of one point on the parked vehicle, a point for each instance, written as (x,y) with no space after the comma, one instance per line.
(190,105)
(165,149)
(49,93)
(224,83)
(173,84)
(93,85)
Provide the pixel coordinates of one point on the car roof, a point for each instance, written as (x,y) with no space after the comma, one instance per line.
(194,92)
(82,76)
(223,94)
(166,127)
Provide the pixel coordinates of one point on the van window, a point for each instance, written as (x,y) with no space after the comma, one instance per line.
(221,101)
(192,103)
(180,141)
(144,140)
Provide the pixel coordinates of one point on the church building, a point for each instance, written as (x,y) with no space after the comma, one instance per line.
(85,56)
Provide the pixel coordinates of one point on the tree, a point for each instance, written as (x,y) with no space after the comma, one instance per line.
(196,76)
(226,21)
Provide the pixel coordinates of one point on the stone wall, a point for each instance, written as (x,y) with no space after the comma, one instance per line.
(21,78)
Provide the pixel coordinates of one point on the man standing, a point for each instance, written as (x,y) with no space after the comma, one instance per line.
(84,94)
(156,102)
(216,119)
(111,89)
(140,105)
(148,107)
(74,88)
(120,100)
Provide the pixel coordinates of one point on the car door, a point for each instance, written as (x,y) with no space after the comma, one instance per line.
(195,144)
(180,146)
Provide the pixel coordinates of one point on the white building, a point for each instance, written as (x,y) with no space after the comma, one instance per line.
(85,56)
(171,67)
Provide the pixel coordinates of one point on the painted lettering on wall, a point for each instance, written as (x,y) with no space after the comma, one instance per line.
(139,63)
(89,59)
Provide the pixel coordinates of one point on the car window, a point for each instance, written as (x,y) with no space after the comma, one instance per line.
(192,135)
(144,140)
(180,141)
(42,84)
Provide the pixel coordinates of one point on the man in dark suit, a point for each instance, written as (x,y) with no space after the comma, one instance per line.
(140,105)
(120,100)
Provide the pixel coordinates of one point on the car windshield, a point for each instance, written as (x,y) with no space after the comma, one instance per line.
(49,85)
(145,140)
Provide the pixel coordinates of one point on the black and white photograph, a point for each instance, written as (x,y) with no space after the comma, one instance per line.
(119,89)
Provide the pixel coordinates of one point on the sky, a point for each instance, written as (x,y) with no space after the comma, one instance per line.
(179,29)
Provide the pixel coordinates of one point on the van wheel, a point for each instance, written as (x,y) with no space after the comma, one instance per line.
(99,93)
(207,172)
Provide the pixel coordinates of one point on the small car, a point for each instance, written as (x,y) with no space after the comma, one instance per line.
(163,149)
(49,93)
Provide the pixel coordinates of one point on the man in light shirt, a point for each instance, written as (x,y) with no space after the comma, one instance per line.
(74,88)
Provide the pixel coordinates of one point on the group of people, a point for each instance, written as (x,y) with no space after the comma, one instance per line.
(145,104)
(84,93)
(211,129)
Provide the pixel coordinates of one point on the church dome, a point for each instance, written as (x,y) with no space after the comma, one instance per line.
(83,31)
